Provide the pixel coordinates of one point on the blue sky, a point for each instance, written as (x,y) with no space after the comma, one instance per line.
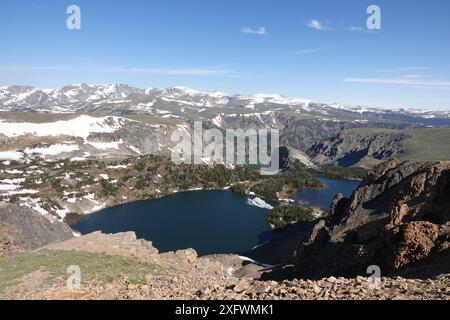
(319,50)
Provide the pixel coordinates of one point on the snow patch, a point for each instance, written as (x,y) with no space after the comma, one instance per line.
(258,202)
(52,150)
(82,127)
(10,155)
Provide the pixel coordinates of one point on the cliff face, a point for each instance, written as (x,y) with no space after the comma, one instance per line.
(348,148)
(22,229)
(398,219)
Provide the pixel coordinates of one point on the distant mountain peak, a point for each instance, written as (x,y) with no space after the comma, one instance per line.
(99,97)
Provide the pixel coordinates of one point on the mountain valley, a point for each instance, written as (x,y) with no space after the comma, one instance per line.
(71,152)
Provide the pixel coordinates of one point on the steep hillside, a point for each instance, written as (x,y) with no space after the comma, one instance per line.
(397,219)
(22,229)
(366,146)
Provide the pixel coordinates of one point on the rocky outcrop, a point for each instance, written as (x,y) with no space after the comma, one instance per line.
(397,218)
(121,244)
(22,229)
(406,244)
(127,244)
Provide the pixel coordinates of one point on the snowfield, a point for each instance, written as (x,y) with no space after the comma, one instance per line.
(81,127)
(10,155)
(53,150)
(8,187)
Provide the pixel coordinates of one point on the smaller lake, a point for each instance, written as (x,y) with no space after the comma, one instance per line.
(322,198)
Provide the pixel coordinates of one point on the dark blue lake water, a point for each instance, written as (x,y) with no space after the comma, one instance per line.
(322,198)
(208,221)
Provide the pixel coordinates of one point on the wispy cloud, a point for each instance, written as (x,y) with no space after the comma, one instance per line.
(401,82)
(322,26)
(262,31)
(312,50)
(415,76)
(401,69)
(154,71)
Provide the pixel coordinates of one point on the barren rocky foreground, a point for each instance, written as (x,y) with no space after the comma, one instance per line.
(123,267)
(398,220)
(244,289)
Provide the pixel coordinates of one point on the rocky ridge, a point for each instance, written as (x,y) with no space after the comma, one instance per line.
(22,229)
(347,149)
(397,219)
(121,98)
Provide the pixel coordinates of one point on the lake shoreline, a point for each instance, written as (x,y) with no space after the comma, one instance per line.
(69,220)
(184,220)
(74,217)
(218,209)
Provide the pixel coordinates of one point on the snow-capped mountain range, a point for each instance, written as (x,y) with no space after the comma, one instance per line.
(122,98)
(89,98)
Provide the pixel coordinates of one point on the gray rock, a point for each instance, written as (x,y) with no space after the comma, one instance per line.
(24,229)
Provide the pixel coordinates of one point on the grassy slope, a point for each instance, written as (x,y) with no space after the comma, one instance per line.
(423,144)
(93,266)
(34,117)
(428,144)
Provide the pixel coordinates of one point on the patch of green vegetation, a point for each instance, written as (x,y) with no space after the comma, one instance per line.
(295,178)
(281,216)
(336,172)
(428,144)
(154,120)
(57,185)
(238,189)
(93,266)
(368,163)
(108,189)
(37,117)
(141,183)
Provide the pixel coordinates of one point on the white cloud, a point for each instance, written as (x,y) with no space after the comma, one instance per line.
(317,25)
(401,82)
(262,31)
